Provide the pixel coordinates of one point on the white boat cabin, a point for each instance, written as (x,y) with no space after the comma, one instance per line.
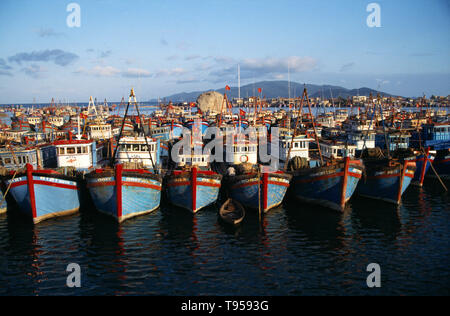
(300,147)
(34,120)
(81,154)
(100,131)
(134,149)
(362,140)
(241,151)
(192,159)
(56,120)
(333,149)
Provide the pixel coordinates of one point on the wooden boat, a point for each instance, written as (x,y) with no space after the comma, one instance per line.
(232,212)
(125,192)
(386,179)
(329,185)
(193,189)
(44,193)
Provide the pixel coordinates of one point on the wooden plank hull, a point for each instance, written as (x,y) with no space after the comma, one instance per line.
(387,184)
(270,189)
(193,191)
(328,186)
(41,197)
(126,195)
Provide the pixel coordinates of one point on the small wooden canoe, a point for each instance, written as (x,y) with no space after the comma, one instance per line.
(232,212)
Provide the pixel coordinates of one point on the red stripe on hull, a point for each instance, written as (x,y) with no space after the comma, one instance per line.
(141,185)
(57,185)
(31,189)
(100,184)
(328,176)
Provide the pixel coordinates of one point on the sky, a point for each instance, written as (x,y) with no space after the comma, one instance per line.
(162,47)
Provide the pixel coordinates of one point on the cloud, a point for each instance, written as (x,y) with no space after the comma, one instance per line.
(48,32)
(58,56)
(257,67)
(90,50)
(109,71)
(347,67)
(33,71)
(170,72)
(3,65)
(99,71)
(135,73)
(172,57)
(163,42)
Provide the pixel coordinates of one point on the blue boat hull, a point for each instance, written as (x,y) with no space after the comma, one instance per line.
(193,191)
(3,205)
(387,184)
(269,189)
(422,167)
(50,197)
(442,166)
(131,196)
(328,186)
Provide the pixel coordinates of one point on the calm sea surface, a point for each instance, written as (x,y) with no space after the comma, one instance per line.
(295,250)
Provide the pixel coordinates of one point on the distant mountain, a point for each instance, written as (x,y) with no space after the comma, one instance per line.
(275,89)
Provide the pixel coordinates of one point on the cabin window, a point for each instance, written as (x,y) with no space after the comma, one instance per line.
(144,148)
(84,149)
(7,160)
(79,150)
(70,150)
(135,147)
(296,145)
(1,162)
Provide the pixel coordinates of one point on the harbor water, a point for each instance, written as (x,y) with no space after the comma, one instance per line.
(296,250)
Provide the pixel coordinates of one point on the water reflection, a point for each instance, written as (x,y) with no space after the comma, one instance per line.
(376,217)
(320,226)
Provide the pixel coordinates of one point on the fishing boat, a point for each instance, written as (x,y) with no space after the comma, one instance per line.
(193,189)
(423,160)
(442,163)
(44,193)
(192,185)
(330,185)
(386,179)
(232,212)
(124,193)
(253,186)
(327,182)
(127,189)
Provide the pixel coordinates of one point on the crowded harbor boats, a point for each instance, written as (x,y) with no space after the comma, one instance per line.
(245,159)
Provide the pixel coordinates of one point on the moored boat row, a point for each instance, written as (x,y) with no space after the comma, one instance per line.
(126,173)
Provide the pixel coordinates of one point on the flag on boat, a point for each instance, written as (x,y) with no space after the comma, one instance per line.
(242,112)
(259,90)
(227,87)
